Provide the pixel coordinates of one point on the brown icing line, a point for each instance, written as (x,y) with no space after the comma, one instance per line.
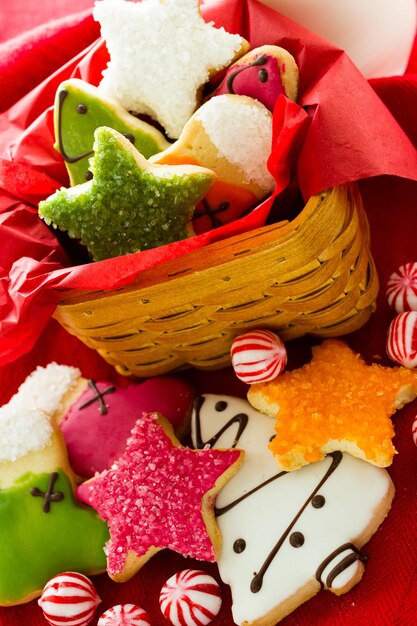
(261,60)
(61,97)
(98,396)
(49,495)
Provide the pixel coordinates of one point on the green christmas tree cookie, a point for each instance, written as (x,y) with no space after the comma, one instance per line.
(130,204)
(80,108)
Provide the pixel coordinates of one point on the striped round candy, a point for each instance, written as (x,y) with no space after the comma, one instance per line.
(124,615)
(414,430)
(190,598)
(69,599)
(402,288)
(402,339)
(258,356)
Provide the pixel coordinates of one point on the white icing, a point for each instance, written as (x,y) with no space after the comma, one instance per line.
(352,493)
(22,431)
(241,130)
(25,422)
(45,387)
(171,53)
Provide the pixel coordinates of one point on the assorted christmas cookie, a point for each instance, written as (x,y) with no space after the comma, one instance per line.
(159,495)
(264,74)
(172,53)
(258,356)
(108,220)
(402,288)
(286,535)
(43,529)
(69,598)
(97,425)
(190,598)
(402,339)
(335,402)
(81,108)
(231,135)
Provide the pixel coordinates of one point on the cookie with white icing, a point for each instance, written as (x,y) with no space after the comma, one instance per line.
(43,529)
(232,136)
(286,535)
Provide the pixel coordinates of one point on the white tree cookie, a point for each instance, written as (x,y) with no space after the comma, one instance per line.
(286,535)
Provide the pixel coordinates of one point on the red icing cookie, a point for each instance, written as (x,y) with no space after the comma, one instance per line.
(264,74)
(159,495)
(98,424)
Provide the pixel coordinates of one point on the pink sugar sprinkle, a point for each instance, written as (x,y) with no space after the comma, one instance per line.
(153,497)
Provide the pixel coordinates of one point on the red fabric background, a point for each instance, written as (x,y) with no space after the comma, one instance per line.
(388,593)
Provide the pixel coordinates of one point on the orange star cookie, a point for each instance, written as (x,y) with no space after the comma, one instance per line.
(335,402)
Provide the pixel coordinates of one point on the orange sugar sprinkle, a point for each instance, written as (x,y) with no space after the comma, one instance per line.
(336,396)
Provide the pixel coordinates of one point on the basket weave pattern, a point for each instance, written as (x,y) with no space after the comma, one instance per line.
(311,275)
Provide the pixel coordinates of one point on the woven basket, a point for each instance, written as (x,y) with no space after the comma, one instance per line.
(311,275)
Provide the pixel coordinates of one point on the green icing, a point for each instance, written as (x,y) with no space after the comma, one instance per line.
(35,546)
(126,208)
(74,130)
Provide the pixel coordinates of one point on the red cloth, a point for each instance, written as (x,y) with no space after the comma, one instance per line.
(388,593)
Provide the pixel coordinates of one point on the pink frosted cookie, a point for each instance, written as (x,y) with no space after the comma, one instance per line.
(258,356)
(402,339)
(98,424)
(402,288)
(124,615)
(264,74)
(69,598)
(190,598)
(159,495)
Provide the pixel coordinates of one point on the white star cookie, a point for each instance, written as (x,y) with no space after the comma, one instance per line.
(161,53)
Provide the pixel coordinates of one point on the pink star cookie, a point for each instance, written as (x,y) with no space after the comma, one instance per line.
(159,495)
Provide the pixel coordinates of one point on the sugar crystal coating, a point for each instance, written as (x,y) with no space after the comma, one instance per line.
(157,495)
(336,397)
(128,205)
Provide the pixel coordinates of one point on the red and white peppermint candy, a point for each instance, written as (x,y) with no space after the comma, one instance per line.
(414,430)
(124,615)
(190,598)
(258,356)
(402,339)
(402,288)
(69,599)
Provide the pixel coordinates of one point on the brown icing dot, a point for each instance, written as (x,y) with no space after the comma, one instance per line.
(130,137)
(88,175)
(221,405)
(296,539)
(318,501)
(239,545)
(263,75)
(81,108)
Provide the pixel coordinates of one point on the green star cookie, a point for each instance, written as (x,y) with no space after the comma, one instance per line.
(79,109)
(130,204)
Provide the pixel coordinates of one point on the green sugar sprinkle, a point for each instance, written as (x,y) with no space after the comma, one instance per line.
(126,207)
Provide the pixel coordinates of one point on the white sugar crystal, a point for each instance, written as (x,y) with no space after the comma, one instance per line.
(161,53)
(241,129)
(22,431)
(45,387)
(25,422)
